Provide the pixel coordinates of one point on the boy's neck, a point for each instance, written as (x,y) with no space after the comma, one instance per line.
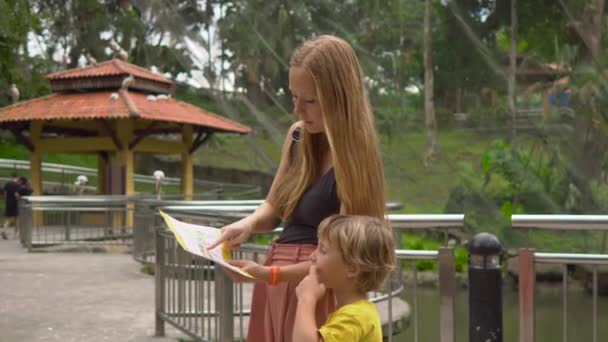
(348,296)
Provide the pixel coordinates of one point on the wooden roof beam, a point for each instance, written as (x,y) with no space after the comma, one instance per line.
(142,134)
(200,140)
(106,125)
(17,130)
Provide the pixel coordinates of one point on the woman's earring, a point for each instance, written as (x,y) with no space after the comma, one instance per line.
(296,135)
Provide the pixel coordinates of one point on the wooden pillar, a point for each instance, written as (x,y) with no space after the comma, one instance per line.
(527,284)
(124,132)
(187,179)
(36,158)
(36,167)
(102,175)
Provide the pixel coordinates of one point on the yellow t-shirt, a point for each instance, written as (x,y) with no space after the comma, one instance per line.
(355,322)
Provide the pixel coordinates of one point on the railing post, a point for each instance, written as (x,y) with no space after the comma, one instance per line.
(447,292)
(526,279)
(224,304)
(159,278)
(485,289)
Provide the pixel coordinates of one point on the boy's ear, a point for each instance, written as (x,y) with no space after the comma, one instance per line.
(353,271)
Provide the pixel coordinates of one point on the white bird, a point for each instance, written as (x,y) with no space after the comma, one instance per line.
(90,59)
(159,175)
(115,47)
(65,59)
(82,180)
(122,54)
(151,98)
(14,92)
(127,82)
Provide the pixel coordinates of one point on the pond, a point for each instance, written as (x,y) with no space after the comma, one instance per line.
(548,314)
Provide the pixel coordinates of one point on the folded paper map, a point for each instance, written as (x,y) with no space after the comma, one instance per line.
(195,239)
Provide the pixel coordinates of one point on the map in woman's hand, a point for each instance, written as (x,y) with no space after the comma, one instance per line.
(195,239)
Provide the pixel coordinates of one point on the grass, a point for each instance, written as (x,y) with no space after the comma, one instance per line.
(421,189)
(426,189)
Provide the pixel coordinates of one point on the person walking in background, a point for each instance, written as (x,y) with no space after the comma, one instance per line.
(11,193)
(330,163)
(25,189)
(355,256)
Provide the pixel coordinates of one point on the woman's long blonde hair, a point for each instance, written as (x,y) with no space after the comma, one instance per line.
(350,131)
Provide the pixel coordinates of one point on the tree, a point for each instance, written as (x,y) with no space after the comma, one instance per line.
(151,32)
(429,104)
(16,65)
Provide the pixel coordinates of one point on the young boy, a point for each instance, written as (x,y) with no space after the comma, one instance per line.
(355,255)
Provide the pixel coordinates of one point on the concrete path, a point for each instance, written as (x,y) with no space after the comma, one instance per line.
(75,297)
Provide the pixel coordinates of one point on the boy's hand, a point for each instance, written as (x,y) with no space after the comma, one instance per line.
(310,287)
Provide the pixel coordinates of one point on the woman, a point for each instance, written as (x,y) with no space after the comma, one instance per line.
(330,163)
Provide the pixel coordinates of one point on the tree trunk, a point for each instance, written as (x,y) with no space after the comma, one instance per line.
(588,145)
(512,71)
(429,105)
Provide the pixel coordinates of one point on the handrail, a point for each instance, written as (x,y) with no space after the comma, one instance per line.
(425,221)
(571,258)
(528,259)
(81,170)
(560,222)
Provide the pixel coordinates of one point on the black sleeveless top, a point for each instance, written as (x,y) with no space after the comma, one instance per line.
(318,202)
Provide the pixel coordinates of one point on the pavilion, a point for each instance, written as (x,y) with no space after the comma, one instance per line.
(112,109)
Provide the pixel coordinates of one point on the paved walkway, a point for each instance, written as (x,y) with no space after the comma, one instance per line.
(75,297)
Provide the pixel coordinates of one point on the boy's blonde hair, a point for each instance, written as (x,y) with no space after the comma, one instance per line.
(364,241)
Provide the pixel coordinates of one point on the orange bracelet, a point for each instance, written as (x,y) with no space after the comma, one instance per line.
(275,275)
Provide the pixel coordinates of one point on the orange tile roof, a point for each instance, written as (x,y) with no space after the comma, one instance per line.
(97,105)
(113,67)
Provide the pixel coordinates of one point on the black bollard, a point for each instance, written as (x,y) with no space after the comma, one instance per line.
(485,289)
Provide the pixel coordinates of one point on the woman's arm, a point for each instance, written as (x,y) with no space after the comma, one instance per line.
(293,273)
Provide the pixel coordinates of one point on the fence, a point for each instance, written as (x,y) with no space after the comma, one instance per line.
(70,220)
(212,213)
(206,305)
(217,189)
(528,259)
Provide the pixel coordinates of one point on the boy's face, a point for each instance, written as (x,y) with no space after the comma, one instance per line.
(332,271)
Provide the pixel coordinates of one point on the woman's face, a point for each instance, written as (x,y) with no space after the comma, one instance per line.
(305,102)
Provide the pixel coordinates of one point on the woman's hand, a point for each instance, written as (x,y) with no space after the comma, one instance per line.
(259,272)
(233,235)
(310,288)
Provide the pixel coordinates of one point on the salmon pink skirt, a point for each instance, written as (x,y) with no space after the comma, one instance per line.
(273,308)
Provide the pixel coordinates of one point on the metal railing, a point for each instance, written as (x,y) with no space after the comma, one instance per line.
(93,220)
(528,259)
(207,305)
(74,220)
(147,219)
(216,213)
(16,164)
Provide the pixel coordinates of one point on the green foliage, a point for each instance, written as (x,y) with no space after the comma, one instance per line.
(148,269)
(509,180)
(461,259)
(414,242)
